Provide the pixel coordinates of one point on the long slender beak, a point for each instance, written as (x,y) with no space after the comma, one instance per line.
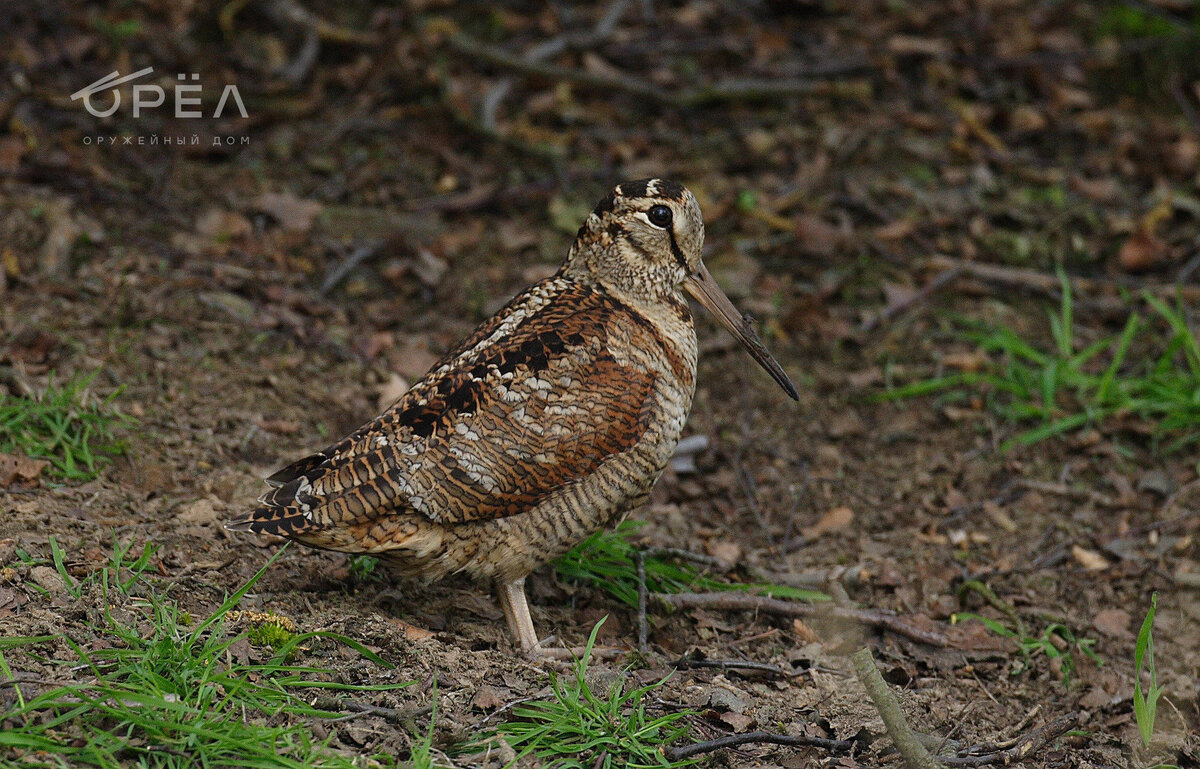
(704,289)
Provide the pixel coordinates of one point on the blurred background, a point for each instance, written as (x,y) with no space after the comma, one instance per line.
(885,184)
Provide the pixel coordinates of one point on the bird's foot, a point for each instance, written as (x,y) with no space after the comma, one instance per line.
(546,649)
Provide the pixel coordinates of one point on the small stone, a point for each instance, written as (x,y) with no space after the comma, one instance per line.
(1089,559)
(1113,622)
(47,579)
(1156,482)
(738,722)
(725,699)
(487,698)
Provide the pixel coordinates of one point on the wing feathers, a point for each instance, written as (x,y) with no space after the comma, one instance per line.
(532,401)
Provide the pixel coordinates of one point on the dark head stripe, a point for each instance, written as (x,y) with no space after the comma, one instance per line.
(676,250)
(606,205)
(668,189)
(641,188)
(635,189)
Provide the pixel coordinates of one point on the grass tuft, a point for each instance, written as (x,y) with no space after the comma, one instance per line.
(365,568)
(606,560)
(1063,386)
(581,729)
(74,431)
(423,755)
(159,691)
(1057,643)
(1145,701)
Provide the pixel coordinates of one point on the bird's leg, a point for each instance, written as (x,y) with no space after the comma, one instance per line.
(516,611)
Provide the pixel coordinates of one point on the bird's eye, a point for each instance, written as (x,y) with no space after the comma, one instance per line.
(660,216)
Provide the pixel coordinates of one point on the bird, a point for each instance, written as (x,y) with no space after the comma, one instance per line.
(551,421)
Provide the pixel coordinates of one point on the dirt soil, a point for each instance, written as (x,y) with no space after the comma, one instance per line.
(256,299)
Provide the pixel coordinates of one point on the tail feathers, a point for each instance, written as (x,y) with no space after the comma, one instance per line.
(281,521)
(286,511)
(300,468)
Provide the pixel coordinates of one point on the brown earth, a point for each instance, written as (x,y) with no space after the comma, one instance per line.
(1007,133)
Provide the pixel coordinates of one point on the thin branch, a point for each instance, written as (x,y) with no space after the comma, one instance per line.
(910,748)
(692,662)
(902,306)
(344,267)
(685,555)
(748,602)
(732,89)
(731,740)
(1020,750)
(1041,281)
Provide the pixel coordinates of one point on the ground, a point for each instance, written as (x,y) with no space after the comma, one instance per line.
(399,181)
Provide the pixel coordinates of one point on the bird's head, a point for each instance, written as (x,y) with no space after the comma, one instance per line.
(643,241)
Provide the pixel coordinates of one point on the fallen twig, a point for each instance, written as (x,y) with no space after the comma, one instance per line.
(685,555)
(1041,281)
(732,89)
(344,267)
(728,741)
(1019,750)
(910,748)
(693,662)
(359,709)
(748,602)
(492,100)
(1063,490)
(1187,269)
(464,117)
(895,309)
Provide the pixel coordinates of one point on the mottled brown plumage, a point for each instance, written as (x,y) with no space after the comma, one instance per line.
(552,420)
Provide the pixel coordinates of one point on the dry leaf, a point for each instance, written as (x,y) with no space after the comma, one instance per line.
(15,467)
(217,223)
(898,294)
(48,579)
(279,426)
(1027,119)
(11,150)
(64,230)
(291,212)
(845,424)
(1103,190)
(815,236)
(429,267)
(911,45)
(10,602)
(411,632)
(832,520)
(803,631)
(999,517)
(1141,251)
(724,550)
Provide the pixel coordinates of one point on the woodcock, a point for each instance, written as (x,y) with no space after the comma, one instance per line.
(552,420)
